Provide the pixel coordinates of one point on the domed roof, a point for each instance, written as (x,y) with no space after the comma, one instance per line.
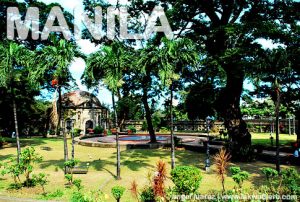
(79,98)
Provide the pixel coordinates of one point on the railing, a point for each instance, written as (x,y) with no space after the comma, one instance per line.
(288,126)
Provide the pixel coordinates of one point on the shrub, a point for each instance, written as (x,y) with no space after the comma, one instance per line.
(98,130)
(13,169)
(186,179)
(159,179)
(164,130)
(2,141)
(132,128)
(117,192)
(222,161)
(56,194)
(291,181)
(41,179)
(239,176)
(271,176)
(70,164)
(147,194)
(69,178)
(28,158)
(77,184)
(77,132)
(78,197)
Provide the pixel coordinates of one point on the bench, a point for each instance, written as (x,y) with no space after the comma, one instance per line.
(78,170)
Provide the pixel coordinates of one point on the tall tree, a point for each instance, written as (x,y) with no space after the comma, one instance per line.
(173,57)
(15,59)
(108,65)
(54,61)
(227,31)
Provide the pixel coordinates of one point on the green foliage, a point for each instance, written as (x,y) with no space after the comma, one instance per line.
(41,179)
(147,194)
(269,173)
(77,132)
(239,176)
(69,178)
(78,197)
(92,196)
(12,168)
(186,179)
(98,130)
(132,128)
(2,141)
(71,163)
(117,192)
(291,181)
(53,195)
(144,126)
(271,176)
(77,184)
(28,158)
(287,182)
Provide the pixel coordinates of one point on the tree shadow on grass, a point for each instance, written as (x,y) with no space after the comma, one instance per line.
(6,157)
(57,163)
(34,141)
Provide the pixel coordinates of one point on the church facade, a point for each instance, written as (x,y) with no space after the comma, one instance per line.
(83,111)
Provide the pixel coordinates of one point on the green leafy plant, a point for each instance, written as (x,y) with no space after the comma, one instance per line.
(291,181)
(239,176)
(12,168)
(2,141)
(147,194)
(186,179)
(70,165)
(52,195)
(117,192)
(41,179)
(77,184)
(77,132)
(132,128)
(69,178)
(78,197)
(98,130)
(271,176)
(28,158)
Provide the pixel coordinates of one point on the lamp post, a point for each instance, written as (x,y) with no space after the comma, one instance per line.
(207,161)
(70,127)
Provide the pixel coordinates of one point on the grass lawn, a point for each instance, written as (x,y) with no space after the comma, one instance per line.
(264,139)
(135,164)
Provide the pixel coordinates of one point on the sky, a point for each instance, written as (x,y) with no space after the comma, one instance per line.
(78,65)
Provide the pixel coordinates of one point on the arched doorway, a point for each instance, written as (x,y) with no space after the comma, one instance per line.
(88,125)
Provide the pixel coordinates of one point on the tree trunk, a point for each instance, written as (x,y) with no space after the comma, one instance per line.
(16,128)
(277,129)
(117,137)
(147,110)
(171,130)
(57,131)
(240,138)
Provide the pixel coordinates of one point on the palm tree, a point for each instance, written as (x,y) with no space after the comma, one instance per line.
(54,60)
(14,58)
(172,57)
(108,65)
